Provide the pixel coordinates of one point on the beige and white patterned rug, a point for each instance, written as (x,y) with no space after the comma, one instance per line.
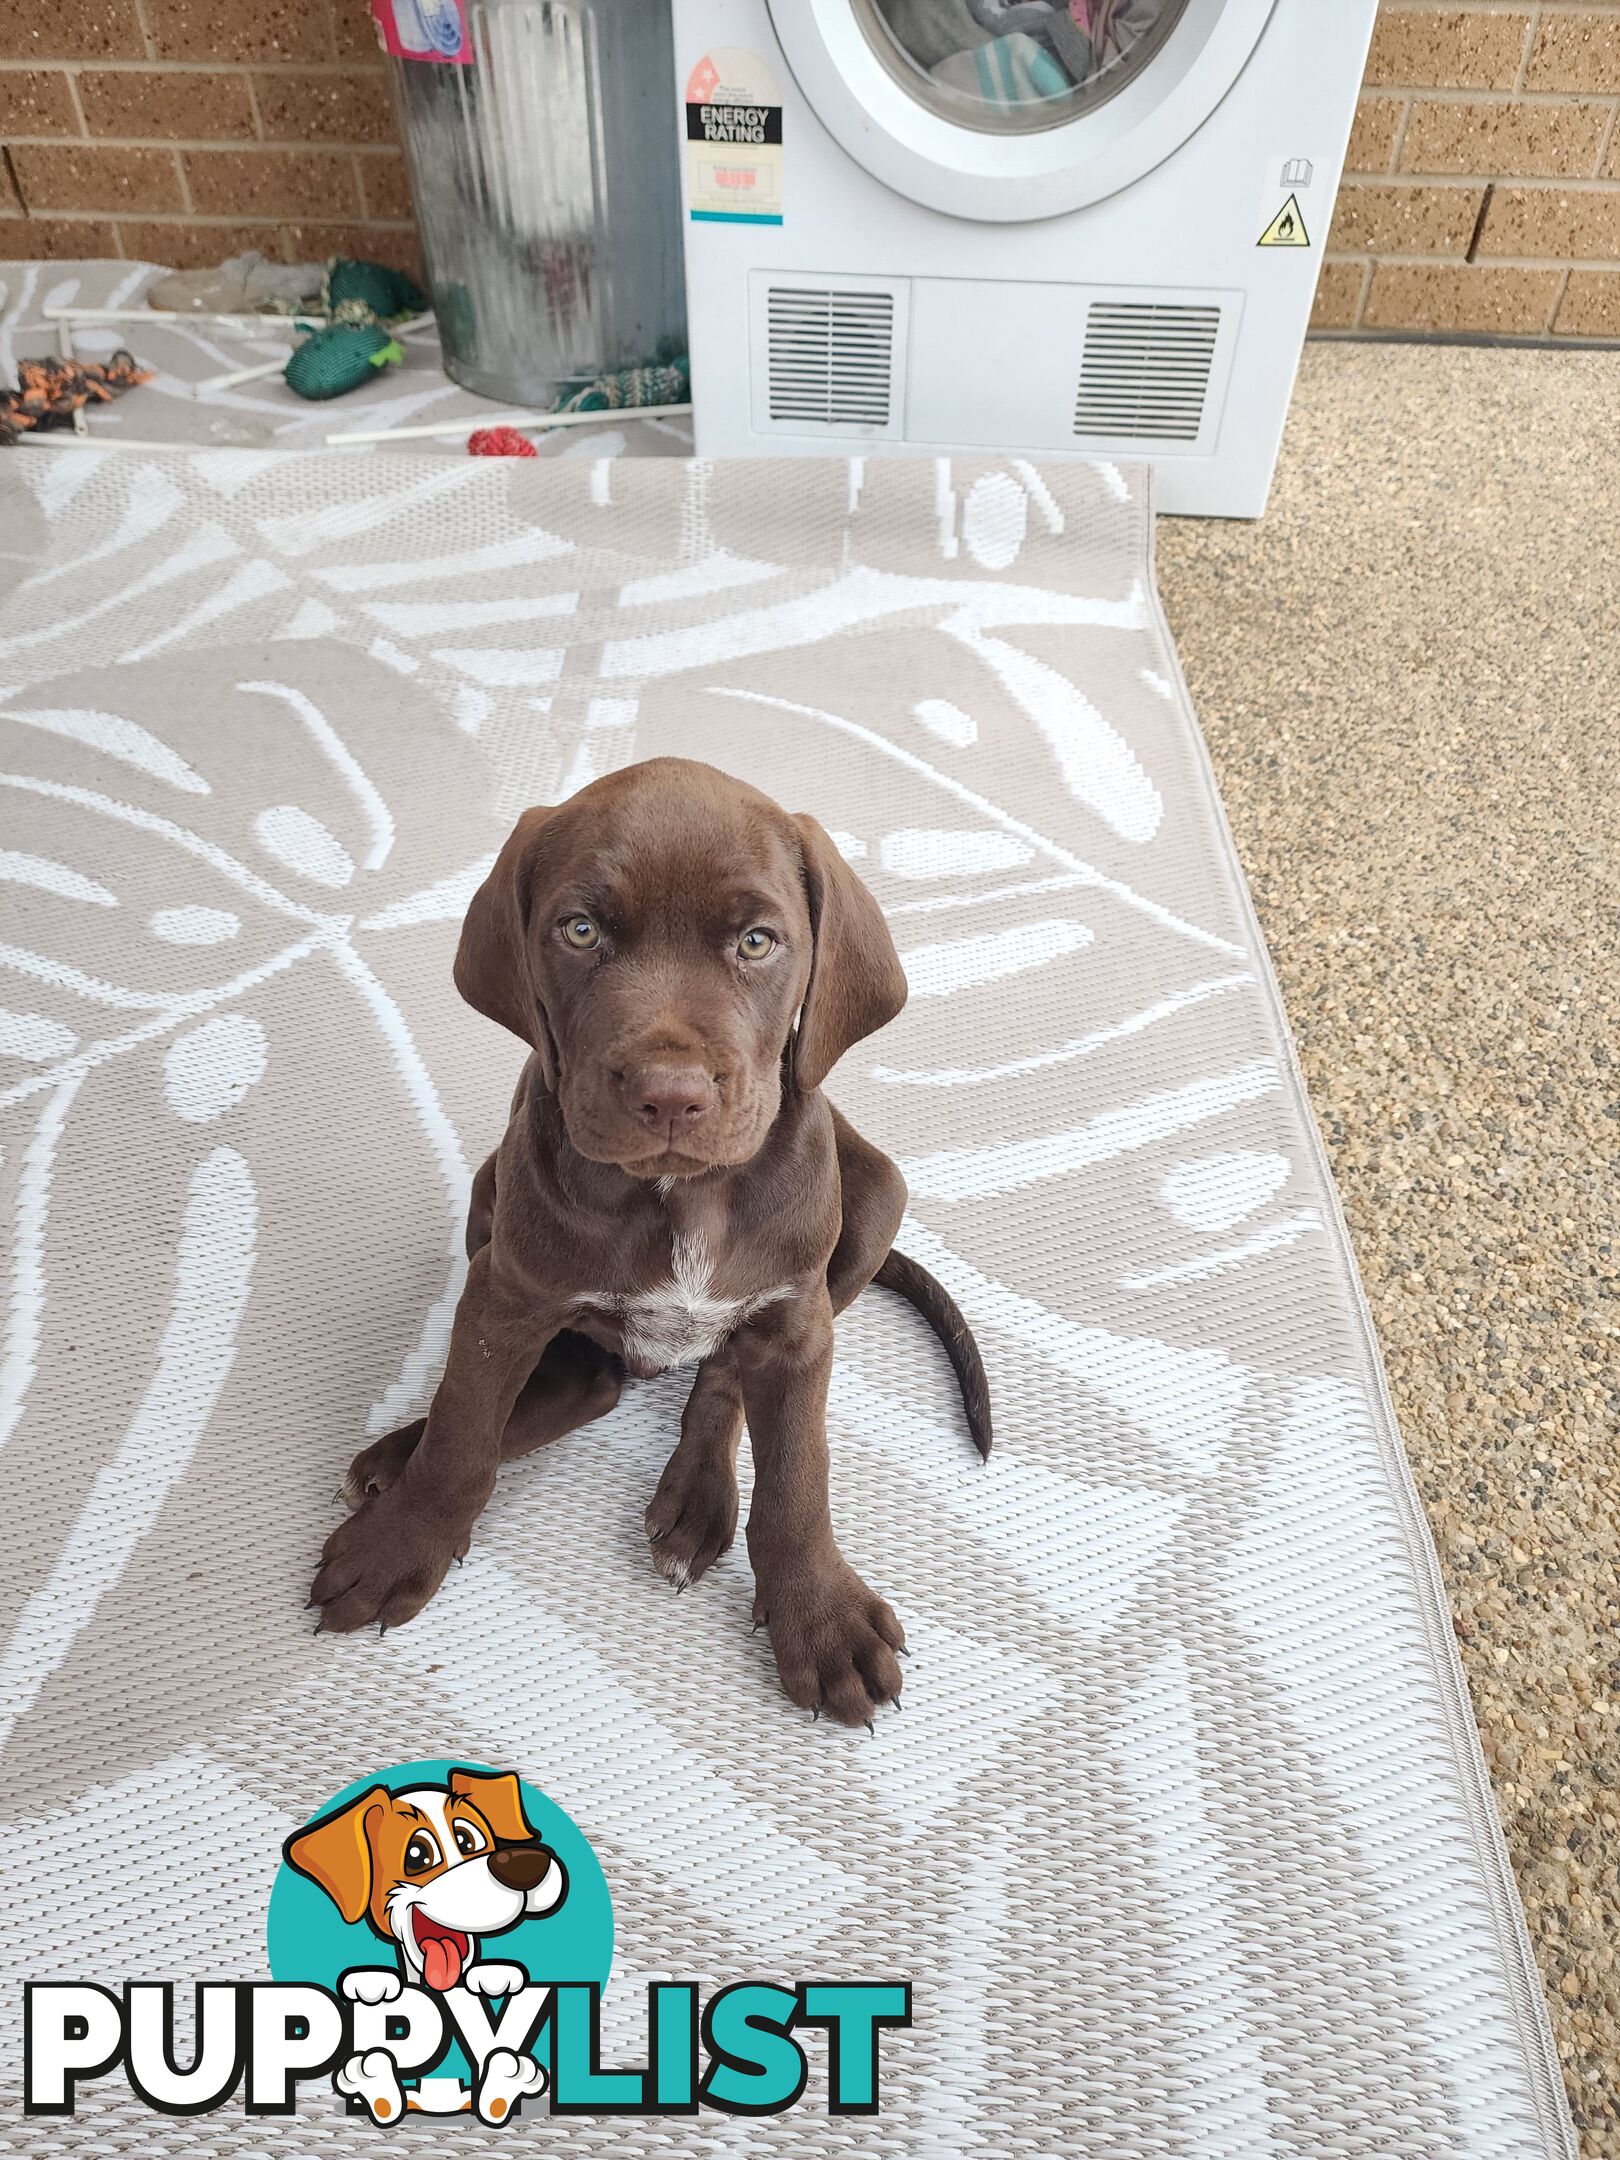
(1184,1840)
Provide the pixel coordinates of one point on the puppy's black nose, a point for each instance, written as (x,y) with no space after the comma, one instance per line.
(670,1098)
(519,1867)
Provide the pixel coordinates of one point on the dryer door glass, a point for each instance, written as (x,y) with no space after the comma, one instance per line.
(1014,66)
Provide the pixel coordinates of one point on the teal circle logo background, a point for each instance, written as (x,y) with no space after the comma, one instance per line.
(308,1938)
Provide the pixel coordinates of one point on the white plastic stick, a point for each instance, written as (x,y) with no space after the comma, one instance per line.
(525,423)
(56,439)
(305,321)
(238,376)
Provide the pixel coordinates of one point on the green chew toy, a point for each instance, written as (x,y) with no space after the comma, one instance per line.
(340,358)
(386,293)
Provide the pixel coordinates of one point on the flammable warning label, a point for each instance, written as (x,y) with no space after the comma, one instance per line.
(733,140)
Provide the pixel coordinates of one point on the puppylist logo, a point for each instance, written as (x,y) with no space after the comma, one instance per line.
(439,1938)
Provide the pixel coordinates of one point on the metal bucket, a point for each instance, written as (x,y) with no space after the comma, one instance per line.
(547,185)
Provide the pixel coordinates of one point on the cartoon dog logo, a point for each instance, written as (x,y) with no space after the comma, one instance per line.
(433,1871)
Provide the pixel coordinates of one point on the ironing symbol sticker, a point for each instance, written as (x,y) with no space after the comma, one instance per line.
(733,140)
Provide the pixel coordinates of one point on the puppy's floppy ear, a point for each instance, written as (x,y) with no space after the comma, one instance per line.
(336,1853)
(499,1800)
(493,969)
(857,984)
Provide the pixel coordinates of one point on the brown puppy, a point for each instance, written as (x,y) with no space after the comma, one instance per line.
(686,963)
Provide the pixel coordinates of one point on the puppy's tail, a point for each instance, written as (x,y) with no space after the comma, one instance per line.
(940,1310)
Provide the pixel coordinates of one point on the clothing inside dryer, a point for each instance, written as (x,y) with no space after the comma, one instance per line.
(1014,64)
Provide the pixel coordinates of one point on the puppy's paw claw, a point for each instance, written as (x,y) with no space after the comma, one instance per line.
(378,1467)
(692,1518)
(835,1643)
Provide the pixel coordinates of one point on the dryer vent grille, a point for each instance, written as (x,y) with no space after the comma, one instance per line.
(831,355)
(1146,370)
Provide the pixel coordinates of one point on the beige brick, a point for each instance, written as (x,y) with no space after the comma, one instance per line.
(1459,296)
(272,183)
(1452,49)
(36,101)
(74,176)
(191,244)
(1611,164)
(164,104)
(55,239)
(299,106)
(1576,51)
(1591,305)
(1338,296)
(71,30)
(1503,142)
(386,188)
(268,30)
(394,244)
(1372,139)
(1560,224)
(1395,219)
(11,203)
(354,34)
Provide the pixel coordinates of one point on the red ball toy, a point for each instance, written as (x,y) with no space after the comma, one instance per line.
(500,442)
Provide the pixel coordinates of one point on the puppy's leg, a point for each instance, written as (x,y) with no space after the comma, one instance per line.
(390,1556)
(481,1206)
(873,1196)
(573,1383)
(693,1515)
(835,1639)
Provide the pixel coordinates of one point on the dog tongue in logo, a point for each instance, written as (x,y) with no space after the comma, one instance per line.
(443,1952)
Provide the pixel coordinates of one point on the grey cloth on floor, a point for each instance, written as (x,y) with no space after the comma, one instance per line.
(244,284)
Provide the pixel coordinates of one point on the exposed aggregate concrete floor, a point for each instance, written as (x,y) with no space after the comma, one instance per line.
(1409,676)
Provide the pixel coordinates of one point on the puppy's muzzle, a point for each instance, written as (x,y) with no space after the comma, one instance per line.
(669,1100)
(520,1867)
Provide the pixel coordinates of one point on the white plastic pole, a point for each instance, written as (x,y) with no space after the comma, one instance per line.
(182,315)
(525,423)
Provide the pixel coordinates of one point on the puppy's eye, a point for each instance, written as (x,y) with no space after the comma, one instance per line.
(421,1854)
(580,932)
(468,1838)
(755,944)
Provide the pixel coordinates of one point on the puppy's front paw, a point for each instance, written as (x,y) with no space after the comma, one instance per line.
(372,1984)
(381,1465)
(836,1641)
(373,2079)
(488,1977)
(692,1517)
(505,2082)
(383,1564)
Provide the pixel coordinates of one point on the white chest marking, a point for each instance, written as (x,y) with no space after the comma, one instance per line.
(680,1323)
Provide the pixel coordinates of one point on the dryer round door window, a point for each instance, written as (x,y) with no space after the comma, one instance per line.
(1013,65)
(1009,110)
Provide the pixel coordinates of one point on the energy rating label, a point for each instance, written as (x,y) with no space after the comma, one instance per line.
(733,140)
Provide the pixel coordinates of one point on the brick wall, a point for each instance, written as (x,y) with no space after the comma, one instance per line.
(182,131)
(1483,190)
(1483,185)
